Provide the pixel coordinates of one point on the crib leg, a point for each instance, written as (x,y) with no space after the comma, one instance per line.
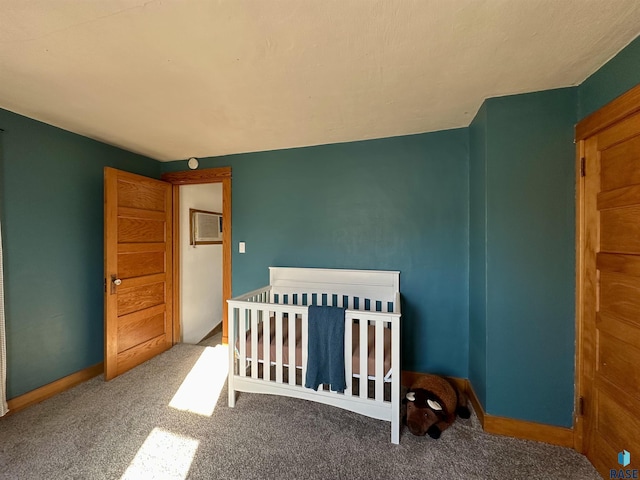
(232,360)
(232,392)
(395,408)
(395,431)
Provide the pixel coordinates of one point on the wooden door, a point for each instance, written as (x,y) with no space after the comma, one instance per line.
(610,308)
(138,270)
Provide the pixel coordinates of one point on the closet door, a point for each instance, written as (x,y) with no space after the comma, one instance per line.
(609,327)
(138,270)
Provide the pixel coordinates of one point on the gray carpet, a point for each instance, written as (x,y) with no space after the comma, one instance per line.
(126,429)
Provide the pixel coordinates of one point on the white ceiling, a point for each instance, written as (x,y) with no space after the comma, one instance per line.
(174,78)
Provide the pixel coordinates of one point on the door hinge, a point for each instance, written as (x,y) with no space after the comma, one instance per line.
(583,167)
(105,285)
(581,406)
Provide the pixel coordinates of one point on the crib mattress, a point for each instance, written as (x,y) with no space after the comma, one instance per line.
(355,336)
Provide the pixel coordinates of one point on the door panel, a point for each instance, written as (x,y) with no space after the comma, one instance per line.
(138,327)
(620,230)
(619,197)
(610,329)
(140,297)
(138,254)
(620,165)
(615,422)
(132,195)
(620,296)
(617,363)
(625,264)
(140,263)
(140,230)
(140,353)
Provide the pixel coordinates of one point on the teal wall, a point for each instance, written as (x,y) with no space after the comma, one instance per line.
(521,256)
(52,205)
(615,77)
(478,254)
(530,256)
(397,203)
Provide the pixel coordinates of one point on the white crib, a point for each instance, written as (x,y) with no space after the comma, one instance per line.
(372,324)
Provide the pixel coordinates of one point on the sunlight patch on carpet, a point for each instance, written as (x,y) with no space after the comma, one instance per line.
(163,454)
(201,388)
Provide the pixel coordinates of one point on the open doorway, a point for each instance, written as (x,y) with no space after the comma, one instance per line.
(200,262)
(219,176)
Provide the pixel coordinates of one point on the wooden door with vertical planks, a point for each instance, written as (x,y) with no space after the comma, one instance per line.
(611,294)
(138,270)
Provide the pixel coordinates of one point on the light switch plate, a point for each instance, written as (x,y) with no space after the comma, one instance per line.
(241,247)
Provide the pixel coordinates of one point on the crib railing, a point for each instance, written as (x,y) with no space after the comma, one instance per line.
(254,314)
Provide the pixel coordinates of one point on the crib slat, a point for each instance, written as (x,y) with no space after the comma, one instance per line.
(279,316)
(364,349)
(292,348)
(348,354)
(242,340)
(266,344)
(321,302)
(305,335)
(254,343)
(379,352)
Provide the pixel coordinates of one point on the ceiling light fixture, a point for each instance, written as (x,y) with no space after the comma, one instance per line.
(193,163)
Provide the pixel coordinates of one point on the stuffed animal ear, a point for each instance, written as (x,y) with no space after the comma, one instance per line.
(434,405)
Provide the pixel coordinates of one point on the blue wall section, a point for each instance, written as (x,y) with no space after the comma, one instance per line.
(398,204)
(530,186)
(478,254)
(615,77)
(52,226)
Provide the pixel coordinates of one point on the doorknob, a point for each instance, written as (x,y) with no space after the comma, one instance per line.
(114,283)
